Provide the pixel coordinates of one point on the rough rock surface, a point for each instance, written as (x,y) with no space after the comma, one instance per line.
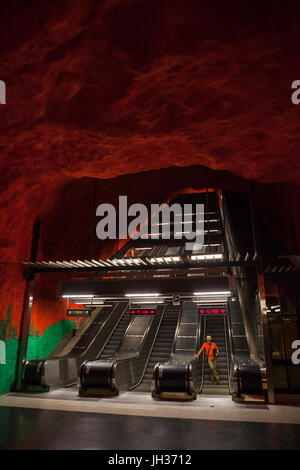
(100,89)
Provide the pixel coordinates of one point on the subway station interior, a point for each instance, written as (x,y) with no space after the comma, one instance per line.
(99,338)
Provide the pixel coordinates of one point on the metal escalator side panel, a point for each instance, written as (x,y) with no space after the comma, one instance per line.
(127,364)
(60,372)
(129,371)
(151,348)
(239,340)
(134,337)
(187,333)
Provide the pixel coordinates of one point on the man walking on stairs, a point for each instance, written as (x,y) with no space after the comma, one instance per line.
(212,352)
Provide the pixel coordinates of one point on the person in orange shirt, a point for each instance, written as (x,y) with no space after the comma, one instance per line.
(212,352)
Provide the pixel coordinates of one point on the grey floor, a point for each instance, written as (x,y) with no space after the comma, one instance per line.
(26,428)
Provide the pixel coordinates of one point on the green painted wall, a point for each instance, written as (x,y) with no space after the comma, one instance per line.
(39,347)
(8,370)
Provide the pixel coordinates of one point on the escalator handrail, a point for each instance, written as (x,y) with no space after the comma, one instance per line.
(150,349)
(202,371)
(199,333)
(234,364)
(176,332)
(227,358)
(230,333)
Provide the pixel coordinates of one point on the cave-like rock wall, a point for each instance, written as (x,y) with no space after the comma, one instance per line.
(101,89)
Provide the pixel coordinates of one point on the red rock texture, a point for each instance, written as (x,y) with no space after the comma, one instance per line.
(100,89)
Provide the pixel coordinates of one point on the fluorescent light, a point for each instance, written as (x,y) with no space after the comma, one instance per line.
(213,293)
(142,295)
(73,296)
(203,257)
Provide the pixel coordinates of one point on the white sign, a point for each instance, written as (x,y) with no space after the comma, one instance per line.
(2,92)
(2,353)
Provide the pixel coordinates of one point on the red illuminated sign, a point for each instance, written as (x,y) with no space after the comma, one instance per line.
(212,311)
(142,311)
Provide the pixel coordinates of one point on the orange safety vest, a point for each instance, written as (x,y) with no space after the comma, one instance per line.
(211,350)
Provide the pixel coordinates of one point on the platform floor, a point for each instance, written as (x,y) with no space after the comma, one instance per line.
(61,419)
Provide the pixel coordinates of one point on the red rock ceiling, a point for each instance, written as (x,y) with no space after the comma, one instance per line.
(105,88)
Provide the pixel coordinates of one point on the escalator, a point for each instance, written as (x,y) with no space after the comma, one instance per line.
(162,347)
(215,326)
(116,338)
(122,365)
(62,370)
(89,334)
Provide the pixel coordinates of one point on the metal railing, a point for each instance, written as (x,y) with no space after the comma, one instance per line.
(176,332)
(230,366)
(202,370)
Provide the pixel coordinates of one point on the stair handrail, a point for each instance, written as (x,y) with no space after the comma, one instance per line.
(232,358)
(227,359)
(150,351)
(202,372)
(176,331)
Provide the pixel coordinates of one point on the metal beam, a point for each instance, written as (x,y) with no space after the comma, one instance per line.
(83,266)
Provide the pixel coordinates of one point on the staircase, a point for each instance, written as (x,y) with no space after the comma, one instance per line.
(117,336)
(215,328)
(162,346)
